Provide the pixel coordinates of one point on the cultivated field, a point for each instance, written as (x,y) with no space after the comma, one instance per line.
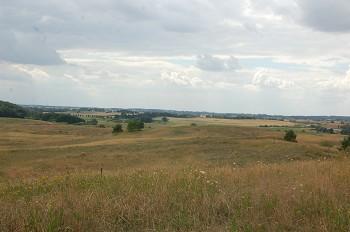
(216,175)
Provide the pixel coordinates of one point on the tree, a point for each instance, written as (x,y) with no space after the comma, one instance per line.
(118,128)
(345,143)
(165,119)
(70,119)
(135,125)
(67,118)
(290,136)
(145,118)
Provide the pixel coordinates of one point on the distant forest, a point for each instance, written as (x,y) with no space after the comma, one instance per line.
(62,114)
(11,110)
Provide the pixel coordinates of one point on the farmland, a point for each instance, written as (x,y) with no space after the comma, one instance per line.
(189,174)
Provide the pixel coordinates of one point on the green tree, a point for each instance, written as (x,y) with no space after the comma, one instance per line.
(345,143)
(135,125)
(290,136)
(165,119)
(67,118)
(118,128)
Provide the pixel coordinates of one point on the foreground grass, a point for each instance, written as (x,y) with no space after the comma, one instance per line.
(296,196)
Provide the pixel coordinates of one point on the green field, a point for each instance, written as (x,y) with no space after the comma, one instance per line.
(216,175)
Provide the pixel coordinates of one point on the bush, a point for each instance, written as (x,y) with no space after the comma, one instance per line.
(92,122)
(345,130)
(345,143)
(290,136)
(321,129)
(135,125)
(118,128)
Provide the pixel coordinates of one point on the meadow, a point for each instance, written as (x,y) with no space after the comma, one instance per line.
(185,175)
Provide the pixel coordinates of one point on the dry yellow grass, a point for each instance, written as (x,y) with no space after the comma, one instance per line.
(170,177)
(299,196)
(34,148)
(230,122)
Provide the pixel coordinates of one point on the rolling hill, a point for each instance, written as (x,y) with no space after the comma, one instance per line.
(11,110)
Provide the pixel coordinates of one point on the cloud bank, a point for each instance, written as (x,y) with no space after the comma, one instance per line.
(263,56)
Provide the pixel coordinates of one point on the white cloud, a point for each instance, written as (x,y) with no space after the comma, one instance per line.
(265,79)
(186,78)
(337,84)
(34,72)
(9,73)
(215,64)
(124,52)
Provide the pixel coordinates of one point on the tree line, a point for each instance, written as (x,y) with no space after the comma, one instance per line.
(11,110)
(54,117)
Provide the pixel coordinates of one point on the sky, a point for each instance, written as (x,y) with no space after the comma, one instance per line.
(288,57)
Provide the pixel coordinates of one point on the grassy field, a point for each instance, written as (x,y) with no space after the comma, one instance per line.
(228,122)
(220,175)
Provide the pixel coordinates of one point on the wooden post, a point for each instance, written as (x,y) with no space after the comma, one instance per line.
(101,172)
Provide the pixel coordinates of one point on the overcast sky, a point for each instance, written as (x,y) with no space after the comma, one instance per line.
(244,56)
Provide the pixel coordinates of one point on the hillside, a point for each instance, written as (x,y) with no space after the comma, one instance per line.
(11,110)
(215,176)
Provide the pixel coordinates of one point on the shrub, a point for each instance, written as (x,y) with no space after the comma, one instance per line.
(135,125)
(345,130)
(165,119)
(321,129)
(345,143)
(92,122)
(118,128)
(290,136)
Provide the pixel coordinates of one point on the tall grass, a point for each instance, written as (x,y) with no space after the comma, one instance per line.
(298,196)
